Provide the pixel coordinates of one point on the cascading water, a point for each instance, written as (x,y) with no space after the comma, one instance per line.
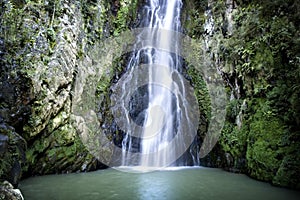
(164,15)
(159,106)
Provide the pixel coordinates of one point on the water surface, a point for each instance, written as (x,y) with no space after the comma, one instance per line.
(186,183)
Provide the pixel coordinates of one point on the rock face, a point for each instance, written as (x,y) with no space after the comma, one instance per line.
(41,46)
(252,44)
(8,192)
(53,144)
(12,153)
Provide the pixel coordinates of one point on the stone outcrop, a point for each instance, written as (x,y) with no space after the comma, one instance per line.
(42,43)
(41,46)
(8,192)
(12,153)
(252,46)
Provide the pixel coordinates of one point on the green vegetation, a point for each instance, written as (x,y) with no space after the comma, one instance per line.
(266,145)
(260,61)
(202,95)
(59,152)
(257,50)
(194,18)
(264,50)
(126,15)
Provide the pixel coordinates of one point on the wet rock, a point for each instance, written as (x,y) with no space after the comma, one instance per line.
(57,41)
(40,65)
(286,175)
(12,154)
(229,159)
(3,144)
(8,192)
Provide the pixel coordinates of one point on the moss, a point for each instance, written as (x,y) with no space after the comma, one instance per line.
(201,91)
(193,17)
(288,174)
(95,16)
(234,140)
(61,151)
(265,148)
(259,61)
(125,16)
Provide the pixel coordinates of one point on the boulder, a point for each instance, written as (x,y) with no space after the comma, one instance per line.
(8,192)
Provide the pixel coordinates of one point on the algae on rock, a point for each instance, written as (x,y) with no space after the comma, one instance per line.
(255,46)
(41,44)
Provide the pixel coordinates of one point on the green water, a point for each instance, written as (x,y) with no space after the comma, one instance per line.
(186,184)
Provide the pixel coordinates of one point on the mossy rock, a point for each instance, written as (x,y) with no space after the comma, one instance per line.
(288,174)
(61,151)
(12,148)
(265,147)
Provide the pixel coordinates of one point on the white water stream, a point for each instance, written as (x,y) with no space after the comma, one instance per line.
(159,124)
(162,119)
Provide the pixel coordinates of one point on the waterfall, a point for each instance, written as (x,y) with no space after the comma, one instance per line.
(159,106)
(159,125)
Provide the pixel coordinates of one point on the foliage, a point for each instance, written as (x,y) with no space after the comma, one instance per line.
(262,50)
(9,32)
(201,92)
(288,174)
(125,16)
(234,140)
(194,23)
(266,145)
(94,13)
(262,53)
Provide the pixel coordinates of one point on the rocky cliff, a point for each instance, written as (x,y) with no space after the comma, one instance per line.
(41,43)
(254,45)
